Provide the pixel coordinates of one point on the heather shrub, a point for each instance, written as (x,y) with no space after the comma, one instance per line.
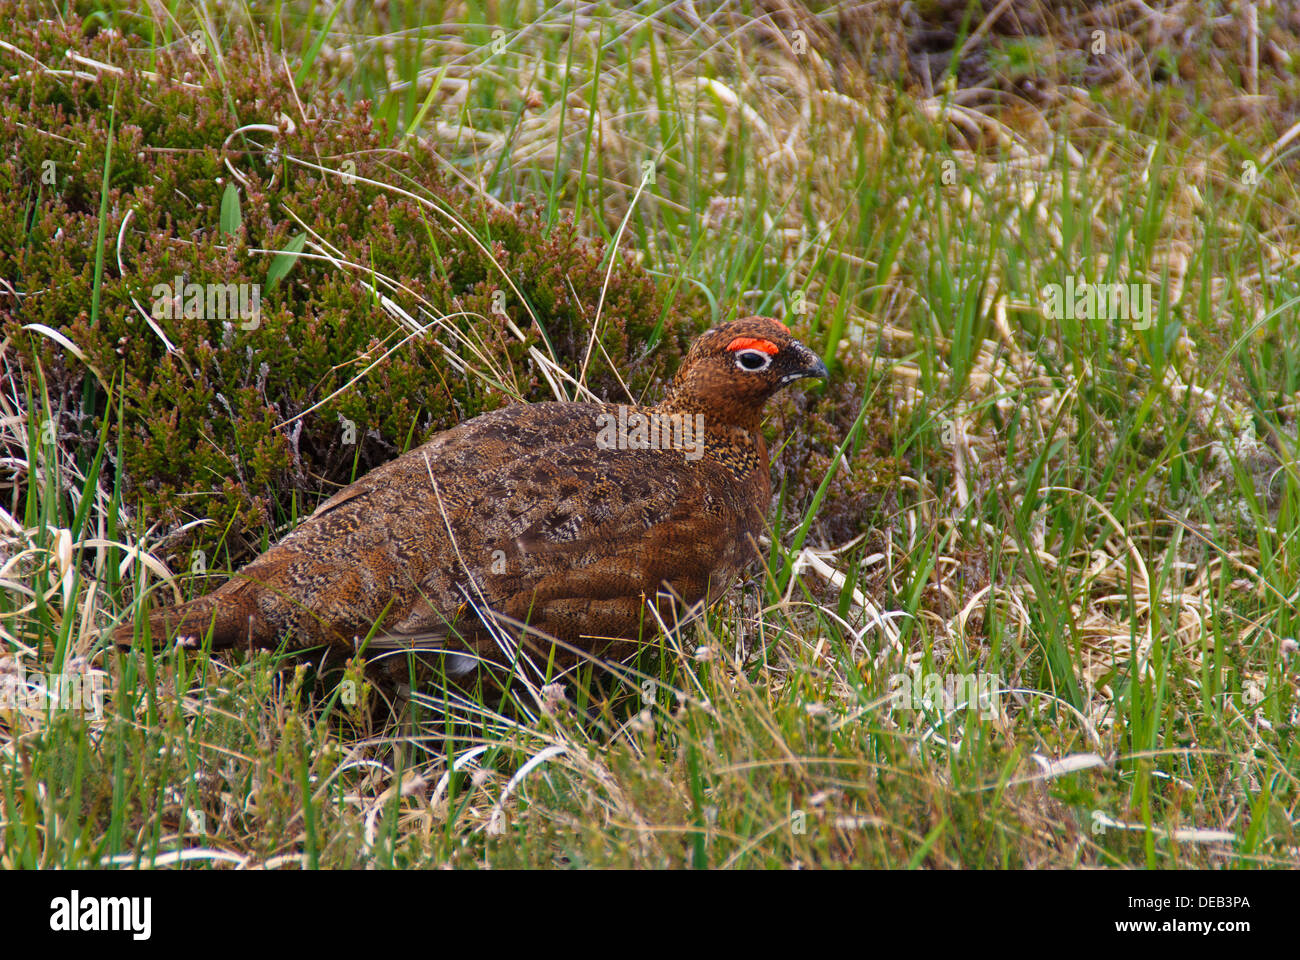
(208,172)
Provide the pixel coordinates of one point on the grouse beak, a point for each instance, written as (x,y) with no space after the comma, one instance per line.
(813,366)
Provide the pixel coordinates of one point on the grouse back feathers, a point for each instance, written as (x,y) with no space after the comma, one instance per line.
(567,517)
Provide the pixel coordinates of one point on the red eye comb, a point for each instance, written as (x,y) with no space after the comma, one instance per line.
(753,343)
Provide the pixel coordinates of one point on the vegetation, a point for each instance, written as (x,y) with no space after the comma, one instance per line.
(1050,255)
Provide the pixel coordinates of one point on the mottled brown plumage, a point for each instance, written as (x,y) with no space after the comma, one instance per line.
(542,513)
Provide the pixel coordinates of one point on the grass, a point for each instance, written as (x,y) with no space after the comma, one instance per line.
(1098,511)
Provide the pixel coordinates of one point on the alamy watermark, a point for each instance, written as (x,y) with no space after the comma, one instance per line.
(20,690)
(946,692)
(77,913)
(630,429)
(1081,300)
(208,301)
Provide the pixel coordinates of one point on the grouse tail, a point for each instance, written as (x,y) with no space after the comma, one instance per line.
(219,614)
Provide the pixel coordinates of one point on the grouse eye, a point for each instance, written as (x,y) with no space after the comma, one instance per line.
(752,360)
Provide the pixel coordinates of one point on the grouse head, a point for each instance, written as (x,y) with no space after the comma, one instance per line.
(731,370)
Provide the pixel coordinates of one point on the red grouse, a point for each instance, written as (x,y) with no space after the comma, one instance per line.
(570,518)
